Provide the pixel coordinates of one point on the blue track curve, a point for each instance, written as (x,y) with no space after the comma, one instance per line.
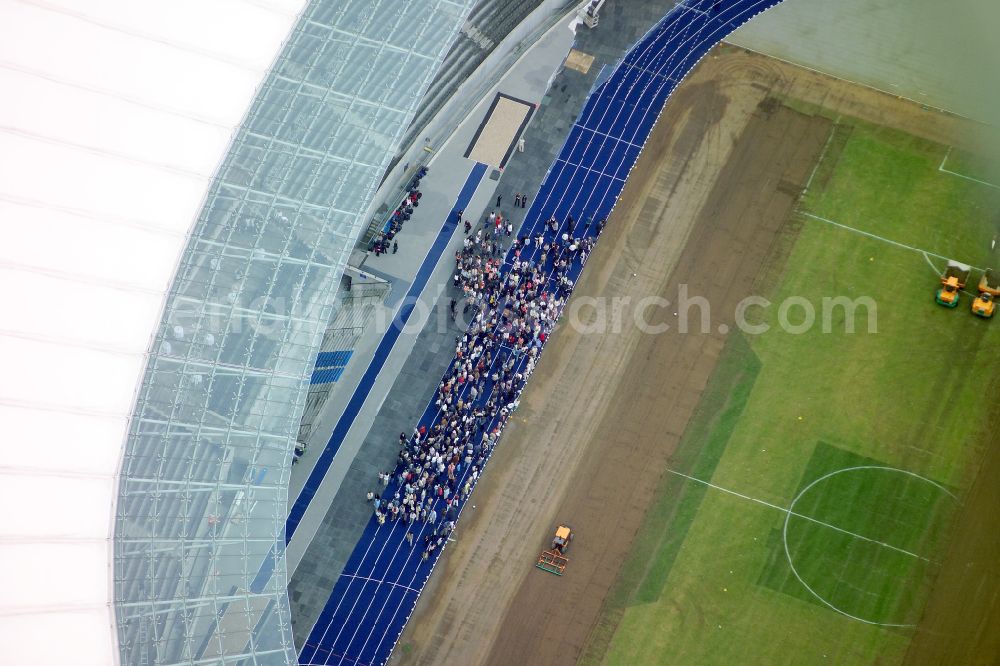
(378,589)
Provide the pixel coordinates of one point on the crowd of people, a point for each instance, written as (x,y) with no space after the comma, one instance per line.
(385,241)
(514,308)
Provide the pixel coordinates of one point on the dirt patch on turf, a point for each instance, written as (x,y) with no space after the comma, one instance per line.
(604,412)
(959,624)
(816,92)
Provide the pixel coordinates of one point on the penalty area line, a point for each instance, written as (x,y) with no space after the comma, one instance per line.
(941,168)
(904,246)
(797,515)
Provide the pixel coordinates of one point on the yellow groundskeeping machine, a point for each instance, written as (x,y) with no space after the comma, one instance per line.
(952,282)
(989,289)
(554,560)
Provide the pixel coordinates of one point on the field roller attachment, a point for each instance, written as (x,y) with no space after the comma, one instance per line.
(989,289)
(554,560)
(952,282)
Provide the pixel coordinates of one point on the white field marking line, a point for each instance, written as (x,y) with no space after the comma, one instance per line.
(381,582)
(643,69)
(788,554)
(962,175)
(605,134)
(589,170)
(880,238)
(970,178)
(944,159)
(937,271)
(789,512)
(822,156)
(385,543)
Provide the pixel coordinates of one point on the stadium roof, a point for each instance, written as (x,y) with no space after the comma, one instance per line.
(114,118)
(156,160)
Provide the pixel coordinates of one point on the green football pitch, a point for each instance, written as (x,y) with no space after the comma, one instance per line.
(805,512)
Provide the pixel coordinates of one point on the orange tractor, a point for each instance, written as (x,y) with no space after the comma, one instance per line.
(989,289)
(952,282)
(554,560)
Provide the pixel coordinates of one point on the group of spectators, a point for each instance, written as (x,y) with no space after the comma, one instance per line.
(385,241)
(514,310)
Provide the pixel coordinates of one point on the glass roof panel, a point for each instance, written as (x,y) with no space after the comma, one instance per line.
(203,490)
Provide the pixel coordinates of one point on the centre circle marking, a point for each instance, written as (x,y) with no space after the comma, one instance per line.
(791,509)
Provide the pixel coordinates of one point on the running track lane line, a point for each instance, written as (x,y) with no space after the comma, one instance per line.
(385,346)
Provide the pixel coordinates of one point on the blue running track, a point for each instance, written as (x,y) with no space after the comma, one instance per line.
(378,589)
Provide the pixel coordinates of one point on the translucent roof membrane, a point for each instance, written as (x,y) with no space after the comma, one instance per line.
(115,116)
(199,570)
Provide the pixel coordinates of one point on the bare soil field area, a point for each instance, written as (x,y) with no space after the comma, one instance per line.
(709,206)
(960,622)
